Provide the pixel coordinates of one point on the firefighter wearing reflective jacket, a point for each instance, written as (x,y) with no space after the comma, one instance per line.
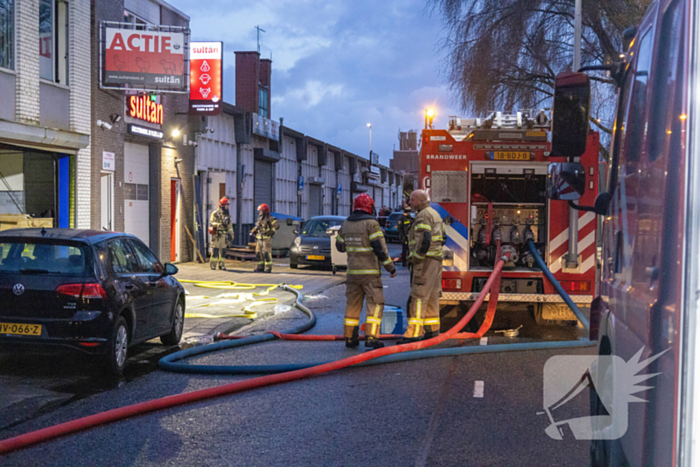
(221,230)
(425,242)
(264,230)
(405,223)
(362,238)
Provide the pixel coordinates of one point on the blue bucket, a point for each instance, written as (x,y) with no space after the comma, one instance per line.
(393,321)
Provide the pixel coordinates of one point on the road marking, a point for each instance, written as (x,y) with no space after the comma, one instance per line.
(479,389)
(484,341)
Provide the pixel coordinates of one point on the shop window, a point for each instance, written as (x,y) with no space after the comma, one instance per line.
(53,40)
(7,34)
(264,111)
(134,192)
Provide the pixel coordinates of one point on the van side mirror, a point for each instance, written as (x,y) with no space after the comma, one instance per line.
(566,181)
(572,102)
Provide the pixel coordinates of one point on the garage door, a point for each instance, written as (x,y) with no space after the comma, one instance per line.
(263,183)
(136,171)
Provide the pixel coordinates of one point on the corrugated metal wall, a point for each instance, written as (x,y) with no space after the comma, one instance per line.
(346,181)
(286,173)
(328,173)
(247,207)
(309,168)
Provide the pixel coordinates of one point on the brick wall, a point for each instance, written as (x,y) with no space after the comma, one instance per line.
(27,64)
(247,80)
(79,43)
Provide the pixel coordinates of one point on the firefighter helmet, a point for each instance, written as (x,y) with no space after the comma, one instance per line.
(264,207)
(365,203)
(223,201)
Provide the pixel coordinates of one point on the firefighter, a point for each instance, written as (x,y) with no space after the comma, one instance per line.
(362,238)
(405,223)
(425,240)
(221,230)
(264,230)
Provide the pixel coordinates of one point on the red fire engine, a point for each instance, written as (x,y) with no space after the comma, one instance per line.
(487,179)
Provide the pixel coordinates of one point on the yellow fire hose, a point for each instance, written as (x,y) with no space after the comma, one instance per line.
(232,285)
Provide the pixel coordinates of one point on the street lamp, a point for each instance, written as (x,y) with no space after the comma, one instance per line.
(369,125)
(429,116)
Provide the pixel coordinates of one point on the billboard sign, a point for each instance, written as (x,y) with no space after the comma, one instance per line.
(148,60)
(206,87)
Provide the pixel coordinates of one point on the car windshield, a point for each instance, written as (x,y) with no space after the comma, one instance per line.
(318,227)
(395,216)
(42,258)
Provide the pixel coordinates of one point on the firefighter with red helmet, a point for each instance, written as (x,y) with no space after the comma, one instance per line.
(362,238)
(425,242)
(221,230)
(264,230)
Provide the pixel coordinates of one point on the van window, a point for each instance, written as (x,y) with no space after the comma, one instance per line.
(664,121)
(636,128)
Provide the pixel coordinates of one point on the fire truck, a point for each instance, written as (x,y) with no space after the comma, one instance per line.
(486,177)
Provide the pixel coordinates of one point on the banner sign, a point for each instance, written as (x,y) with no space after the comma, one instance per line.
(265,127)
(206,87)
(142,131)
(140,59)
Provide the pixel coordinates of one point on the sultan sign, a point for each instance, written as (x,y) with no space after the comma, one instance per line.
(205,78)
(149,60)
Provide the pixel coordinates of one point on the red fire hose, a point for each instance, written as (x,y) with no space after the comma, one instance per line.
(63,429)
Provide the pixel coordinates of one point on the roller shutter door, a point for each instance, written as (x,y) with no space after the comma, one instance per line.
(263,183)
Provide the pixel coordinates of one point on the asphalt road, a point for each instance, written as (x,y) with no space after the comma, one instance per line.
(412,413)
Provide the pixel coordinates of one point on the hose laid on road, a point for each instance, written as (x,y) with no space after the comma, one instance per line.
(383,355)
(63,429)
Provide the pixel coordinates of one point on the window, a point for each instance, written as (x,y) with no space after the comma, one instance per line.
(7,34)
(664,121)
(149,262)
(53,40)
(122,259)
(637,127)
(263,103)
(43,258)
(136,22)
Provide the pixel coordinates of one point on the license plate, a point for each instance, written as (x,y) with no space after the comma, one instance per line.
(511,156)
(315,257)
(20,329)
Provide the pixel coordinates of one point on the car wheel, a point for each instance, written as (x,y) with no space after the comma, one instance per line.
(175,334)
(293,265)
(115,360)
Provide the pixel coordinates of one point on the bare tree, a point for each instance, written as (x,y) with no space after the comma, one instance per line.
(504,54)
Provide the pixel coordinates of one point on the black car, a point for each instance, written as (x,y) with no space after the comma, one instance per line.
(94,292)
(313,245)
(391,229)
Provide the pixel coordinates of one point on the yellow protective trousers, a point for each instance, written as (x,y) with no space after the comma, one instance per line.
(356,291)
(426,289)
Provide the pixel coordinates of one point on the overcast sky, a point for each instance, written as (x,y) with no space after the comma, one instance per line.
(336,64)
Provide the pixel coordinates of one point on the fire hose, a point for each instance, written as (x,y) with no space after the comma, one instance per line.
(383,355)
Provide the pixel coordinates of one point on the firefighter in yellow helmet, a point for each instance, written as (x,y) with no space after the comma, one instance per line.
(425,241)
(221,230)
(362,238)
(264,230)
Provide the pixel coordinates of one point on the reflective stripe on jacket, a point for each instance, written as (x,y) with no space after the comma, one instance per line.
(427,223)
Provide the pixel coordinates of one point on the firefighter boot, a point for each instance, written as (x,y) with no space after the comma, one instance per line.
(373,343)
(430,335)
(408,340)
(223,265)
(354,341)
(212,263)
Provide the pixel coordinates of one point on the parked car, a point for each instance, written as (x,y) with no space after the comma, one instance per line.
(313,245)
(93,292)
(391,229)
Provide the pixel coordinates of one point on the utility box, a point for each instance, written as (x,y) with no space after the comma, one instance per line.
(338,259)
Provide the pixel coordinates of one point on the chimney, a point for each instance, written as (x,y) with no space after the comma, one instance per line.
(248,81)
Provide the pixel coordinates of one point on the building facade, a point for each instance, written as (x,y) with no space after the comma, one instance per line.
(142,166)
(44,111)
(406,159)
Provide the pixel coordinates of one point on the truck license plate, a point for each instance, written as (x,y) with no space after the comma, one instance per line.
(315,257)
(20,329)
(511,156)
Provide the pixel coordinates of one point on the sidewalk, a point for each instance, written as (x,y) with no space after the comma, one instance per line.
(314,281)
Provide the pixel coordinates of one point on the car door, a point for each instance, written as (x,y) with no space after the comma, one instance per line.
(129,281)
(159,288)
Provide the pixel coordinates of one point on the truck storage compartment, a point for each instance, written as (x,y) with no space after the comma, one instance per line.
(516,195)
